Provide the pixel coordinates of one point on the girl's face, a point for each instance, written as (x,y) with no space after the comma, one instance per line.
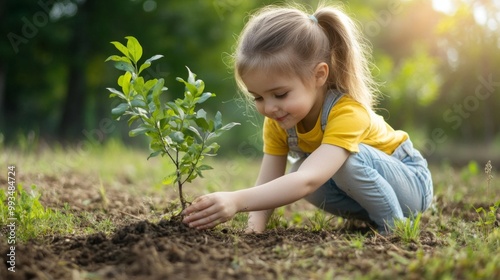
(287,99)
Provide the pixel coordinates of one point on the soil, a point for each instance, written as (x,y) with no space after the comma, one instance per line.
(139,249)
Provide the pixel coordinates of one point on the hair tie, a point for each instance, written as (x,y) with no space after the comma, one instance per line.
(313,18)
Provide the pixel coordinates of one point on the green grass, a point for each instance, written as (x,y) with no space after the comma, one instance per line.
(463,221)
(31,218)
(408,229)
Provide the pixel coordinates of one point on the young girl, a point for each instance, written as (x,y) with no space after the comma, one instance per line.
(309,76)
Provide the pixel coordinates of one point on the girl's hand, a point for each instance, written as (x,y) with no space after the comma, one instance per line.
(209,210)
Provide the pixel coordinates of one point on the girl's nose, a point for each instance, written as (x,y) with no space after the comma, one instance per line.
(270,107)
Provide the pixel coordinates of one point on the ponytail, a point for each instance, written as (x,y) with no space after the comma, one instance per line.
(348,56)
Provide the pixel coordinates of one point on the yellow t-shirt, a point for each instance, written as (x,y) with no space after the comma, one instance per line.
(349,123)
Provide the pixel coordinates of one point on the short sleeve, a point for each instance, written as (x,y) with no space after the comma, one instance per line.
(347,126)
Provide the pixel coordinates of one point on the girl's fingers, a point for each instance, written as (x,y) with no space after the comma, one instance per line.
(199,204)
(203,221)
(211,222)
(200,216)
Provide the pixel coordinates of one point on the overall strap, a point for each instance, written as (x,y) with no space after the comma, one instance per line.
(331,99)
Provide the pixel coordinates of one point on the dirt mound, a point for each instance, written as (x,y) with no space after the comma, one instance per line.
(167,250)
(170,250)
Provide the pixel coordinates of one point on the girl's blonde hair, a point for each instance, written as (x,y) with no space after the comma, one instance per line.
(289,41)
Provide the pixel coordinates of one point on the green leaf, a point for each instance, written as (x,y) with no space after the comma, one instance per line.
(191,76)
(177,136)
(154,154)
(228,126)
(121,48)
(156,90)
(134,48)
(124,66)
(156,144)
(150,84)
(132,120)
(201,114)
(142,112)
(218,120)
(196,132)
(138,131)
(118,58)
(153,58)
(190,88)
(200,85)
(138,103)
(120,80)
(204,97)
(174,107)
(138,84)
(115,92)
(201,120)
(170,179)
(213,148)
(119,110)
(203,124)
(205,167)
(145,65)
(126,83)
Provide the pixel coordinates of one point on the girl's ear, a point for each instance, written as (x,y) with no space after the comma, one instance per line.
(321,74)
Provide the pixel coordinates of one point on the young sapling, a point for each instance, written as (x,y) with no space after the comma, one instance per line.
(176,129)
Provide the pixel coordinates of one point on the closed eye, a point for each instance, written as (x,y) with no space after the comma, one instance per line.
(281,96)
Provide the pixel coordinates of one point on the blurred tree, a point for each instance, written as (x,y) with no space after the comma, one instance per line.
(471,88)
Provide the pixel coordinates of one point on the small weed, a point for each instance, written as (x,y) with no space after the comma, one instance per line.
(102,195)
(31,218)
(93,224)
(239,221)
(489,177)
(356,241)
(276,220)
(487,218)
(320,220)
(408,229)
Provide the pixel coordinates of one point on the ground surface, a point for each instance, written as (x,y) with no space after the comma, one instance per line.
(144,242)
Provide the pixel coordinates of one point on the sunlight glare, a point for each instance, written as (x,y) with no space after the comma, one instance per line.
(445,6)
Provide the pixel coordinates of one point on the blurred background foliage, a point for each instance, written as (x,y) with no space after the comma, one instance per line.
(437,62)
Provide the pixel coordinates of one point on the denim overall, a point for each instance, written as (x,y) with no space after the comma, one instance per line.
(371,185)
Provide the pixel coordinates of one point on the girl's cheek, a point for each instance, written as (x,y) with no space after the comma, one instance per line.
(260,109)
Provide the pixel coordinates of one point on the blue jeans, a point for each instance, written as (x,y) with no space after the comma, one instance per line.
(377,187)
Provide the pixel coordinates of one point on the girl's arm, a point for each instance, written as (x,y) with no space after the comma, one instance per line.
(209,210)
(271,168)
